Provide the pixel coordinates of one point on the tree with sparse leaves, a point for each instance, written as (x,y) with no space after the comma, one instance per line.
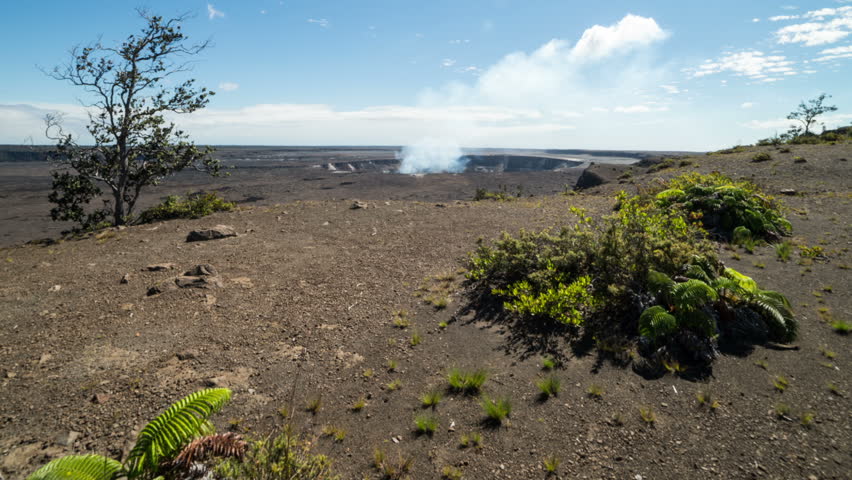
(134,144)
(807,113)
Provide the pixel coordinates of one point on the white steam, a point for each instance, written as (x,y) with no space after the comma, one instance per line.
(432,155)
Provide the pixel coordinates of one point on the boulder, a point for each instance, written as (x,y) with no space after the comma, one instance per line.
(160,267)
(202,270)
(217,232)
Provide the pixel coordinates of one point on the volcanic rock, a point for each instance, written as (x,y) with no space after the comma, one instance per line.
(217,232)
(160,267)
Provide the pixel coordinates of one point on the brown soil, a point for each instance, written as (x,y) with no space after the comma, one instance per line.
(306,311)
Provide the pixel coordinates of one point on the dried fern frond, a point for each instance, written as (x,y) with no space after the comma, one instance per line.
(218,445)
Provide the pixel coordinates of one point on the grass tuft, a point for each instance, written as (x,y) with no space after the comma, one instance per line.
(358,405)
(451,473)
(473,439)
(550,463)
(416,339)
(431,399)
(781,383)
(394,385)
(426,424)
(595,391)
(467,382)
(647,415)
(549,387)
(496,410)
(314,405)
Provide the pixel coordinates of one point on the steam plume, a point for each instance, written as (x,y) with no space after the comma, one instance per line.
(432,155)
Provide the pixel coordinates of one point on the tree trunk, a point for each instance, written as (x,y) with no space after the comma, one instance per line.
(118,210)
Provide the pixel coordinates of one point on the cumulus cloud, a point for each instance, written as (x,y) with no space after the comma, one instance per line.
(751,63)
(213,13)
(447,62)
(826,25)
(228,86)
(747,105)
(630,33)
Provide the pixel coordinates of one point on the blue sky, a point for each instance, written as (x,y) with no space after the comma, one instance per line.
(502,73)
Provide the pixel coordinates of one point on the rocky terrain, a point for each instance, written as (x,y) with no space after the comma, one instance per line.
(298,301)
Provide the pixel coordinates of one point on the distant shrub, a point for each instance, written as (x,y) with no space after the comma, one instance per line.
(193,206)
(501,195)
(761,157)
(722,205)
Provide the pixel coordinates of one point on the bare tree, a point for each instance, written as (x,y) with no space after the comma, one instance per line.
(807,113)
(134,145)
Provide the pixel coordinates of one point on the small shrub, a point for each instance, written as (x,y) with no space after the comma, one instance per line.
(473,439)
(451,473)
(829,354)
(314,405)
(415,339)
(647,415)
(782,410)
(394,385)
(367,373)
(391,469)
(761,157)
(284,455)
(442,325)
(359,405)
(551,464)
(762,364)
(595,391)
(467,382)
(193,206)
(832,387)
(808,419)
(548,363)
(549,387)
(781,383)
(496,410)
(841,327)
(337,433)
(426,424)
(431,399)
(392,365)
(400,319)
(783,250)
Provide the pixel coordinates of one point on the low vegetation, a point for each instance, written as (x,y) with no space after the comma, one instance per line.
(496,411)
(467,382)
(192,206)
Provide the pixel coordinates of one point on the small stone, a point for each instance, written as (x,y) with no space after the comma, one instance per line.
(160,267)
(357,204)
(185,281)
(202,270)
(788,191)
(100,398)
(45,357)
(217,232)
(125,279)
(67,439)
(186,355)
(55,288)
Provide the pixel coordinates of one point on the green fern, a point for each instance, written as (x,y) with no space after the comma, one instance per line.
(691,295)
(79,467)
(164,436)
(656,322)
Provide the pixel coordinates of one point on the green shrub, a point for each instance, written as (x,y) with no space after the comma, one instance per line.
(761,157)
(545,279)
(426,424)
(193,206)
(549,387)
(722,206)
(501,195)
(283,456)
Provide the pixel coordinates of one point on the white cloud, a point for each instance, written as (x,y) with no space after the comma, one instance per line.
(835,53)
(322,22)
(747,105)
(755,20)
(826,25)
(671,89)
(459,41)
(780,18)
(213,13)
(263,12)
(751,63)
(630,33)
(789,7)
(228,86)
(830,121)
(447,62)
(639,109)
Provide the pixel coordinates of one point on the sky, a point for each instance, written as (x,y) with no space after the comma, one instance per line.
(661,75)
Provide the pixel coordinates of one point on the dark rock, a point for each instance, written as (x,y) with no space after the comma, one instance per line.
(125,279)
(358,204)
(186,355)
(202,270)
(188,281)
(788,191)
(589,179)
(799,160)
(160,267)
(217,232)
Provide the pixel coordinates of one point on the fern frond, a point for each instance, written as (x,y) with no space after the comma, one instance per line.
(728,289)
(164,436)
(744,281)
(217,445)
(656,322)
(695,272)
(659,282)
(692,295)
(777,314)
(79,467)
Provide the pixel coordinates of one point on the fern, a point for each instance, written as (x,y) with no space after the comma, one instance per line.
(776,311)
(164,436)
(656,322)
(692,295)
(79,467)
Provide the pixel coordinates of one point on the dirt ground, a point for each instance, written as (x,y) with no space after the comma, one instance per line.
(306,310)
